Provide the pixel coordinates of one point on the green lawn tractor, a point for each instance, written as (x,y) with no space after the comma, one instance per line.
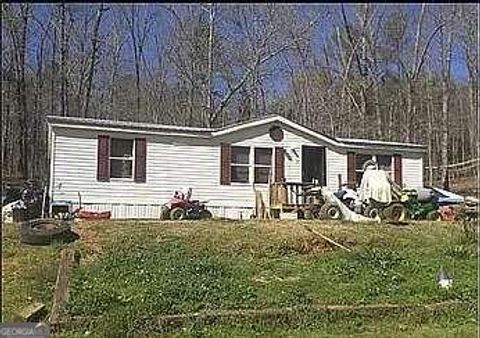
(412,204)
(421,207)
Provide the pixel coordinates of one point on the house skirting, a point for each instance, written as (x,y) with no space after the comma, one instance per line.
(152,211)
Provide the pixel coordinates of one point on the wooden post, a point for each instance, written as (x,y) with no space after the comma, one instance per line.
(351,174)
(326,238)
(282,194)
(259,205)
(68,258)
(32,312)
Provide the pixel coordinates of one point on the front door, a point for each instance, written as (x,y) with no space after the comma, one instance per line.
(314,164)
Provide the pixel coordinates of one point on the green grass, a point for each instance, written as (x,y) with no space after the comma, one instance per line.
(28,273)
(386,331)
(141,270)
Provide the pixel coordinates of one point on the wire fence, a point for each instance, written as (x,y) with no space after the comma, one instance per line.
(463,175)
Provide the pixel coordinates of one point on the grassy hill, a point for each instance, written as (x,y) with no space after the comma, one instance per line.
(244,278)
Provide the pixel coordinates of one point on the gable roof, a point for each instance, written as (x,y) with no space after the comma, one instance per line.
(269,119)
(172,130)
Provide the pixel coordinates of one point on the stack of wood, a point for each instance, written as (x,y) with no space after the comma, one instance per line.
(278,195)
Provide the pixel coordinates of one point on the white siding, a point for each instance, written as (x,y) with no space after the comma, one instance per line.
(152,211)
(177,162)
(292,143)
(412,171)
(336,165)
(169,167)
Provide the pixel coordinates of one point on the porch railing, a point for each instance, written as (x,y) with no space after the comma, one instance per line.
(290,194)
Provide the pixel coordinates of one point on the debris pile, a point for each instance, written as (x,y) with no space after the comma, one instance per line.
(378,198)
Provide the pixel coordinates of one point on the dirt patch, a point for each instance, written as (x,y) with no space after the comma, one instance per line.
(270,279)
(304,246)
(90,240)
(45,226)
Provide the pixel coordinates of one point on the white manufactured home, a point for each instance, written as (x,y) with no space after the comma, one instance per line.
(131,168)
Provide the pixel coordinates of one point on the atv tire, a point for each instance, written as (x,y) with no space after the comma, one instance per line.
(177,214)
(372,212)
(205,214)
(395,212)
(433,215)
(330,211)
(44,231)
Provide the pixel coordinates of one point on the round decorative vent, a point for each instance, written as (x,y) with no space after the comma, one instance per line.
(276,133)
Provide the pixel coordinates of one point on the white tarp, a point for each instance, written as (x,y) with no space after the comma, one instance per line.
(448,197)
(375,185)
(7,211)
(347,214)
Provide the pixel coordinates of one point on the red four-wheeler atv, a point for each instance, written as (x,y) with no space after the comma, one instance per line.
(180,207)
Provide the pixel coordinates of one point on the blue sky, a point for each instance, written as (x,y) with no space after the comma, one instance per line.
(163,21)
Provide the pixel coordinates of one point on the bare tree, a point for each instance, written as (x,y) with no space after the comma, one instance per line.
(446,62)
(139,32)
(365,70)
(17,21)
(93,57)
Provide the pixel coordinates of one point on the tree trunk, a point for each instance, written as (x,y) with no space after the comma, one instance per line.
(21,51)
(430,132)
(63,53)
(93,59)
(409,110)
(445,109)
(210,103)
(53,98)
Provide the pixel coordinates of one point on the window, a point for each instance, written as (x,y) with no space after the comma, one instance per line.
(239,164)
(385,163)
(276,133)
(241,161)
(121,158)
(263,164)
(360,160)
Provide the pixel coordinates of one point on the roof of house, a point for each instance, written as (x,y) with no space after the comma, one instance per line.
(126,126)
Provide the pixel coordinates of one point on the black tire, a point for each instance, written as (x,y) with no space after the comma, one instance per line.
(205,214)
(19,215)
(372,211)
(44,231)
(330,211)
(433,215)
(315,212)
(177,214)
(396,212)
(164,213)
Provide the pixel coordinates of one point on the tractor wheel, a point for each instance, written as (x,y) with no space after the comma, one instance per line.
(330,211)
(433,215)
(205,214)
(372,211)
(177,214)
(315,211)
(395,212)
(164,213)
